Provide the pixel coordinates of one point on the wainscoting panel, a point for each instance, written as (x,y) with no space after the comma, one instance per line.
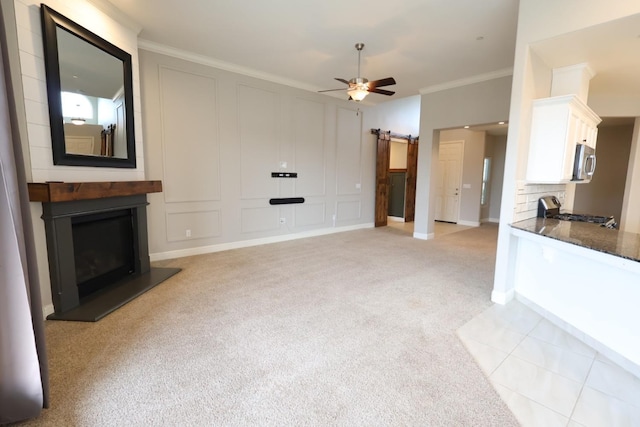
(310,214)
(308,124)
(348,152)
(259,219)
(348,210)
(183,226)
(258,120)
(190,136)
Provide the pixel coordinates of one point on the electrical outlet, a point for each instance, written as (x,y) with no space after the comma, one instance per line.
(283,220)
(358,186)
(187,232)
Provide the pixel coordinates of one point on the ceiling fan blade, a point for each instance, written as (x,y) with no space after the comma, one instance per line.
(382,82)
(342,80)
(382,91)
(331,90)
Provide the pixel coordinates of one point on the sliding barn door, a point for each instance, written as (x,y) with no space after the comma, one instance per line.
(382,180)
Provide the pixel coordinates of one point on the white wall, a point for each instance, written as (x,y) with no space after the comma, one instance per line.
(401,116)
(214,137)
(476,103)
(498,150)
(630,219)
(472,162)
(25,49)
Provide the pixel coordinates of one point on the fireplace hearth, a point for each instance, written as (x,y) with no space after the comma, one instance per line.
(97,246)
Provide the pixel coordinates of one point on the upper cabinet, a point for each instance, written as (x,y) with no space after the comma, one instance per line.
(558,125)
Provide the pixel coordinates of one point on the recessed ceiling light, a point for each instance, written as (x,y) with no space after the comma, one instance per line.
(480,38)
(466,127)
(500,123)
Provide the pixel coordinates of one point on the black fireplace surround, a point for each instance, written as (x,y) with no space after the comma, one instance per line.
(98,255)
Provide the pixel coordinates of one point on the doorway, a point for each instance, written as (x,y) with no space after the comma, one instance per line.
(383,178)
(448,181)
(397,193)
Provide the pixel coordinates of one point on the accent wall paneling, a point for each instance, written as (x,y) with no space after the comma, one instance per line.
(259,219)
(348,210)
(310,213)
(258,124)
(309,144)
(348,152)
(190,136)
(193,225)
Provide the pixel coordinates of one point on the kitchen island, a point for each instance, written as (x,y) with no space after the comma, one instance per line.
(585,279)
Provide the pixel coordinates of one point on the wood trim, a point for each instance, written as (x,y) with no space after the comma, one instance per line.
(53,192)
(397,170)
(382,182)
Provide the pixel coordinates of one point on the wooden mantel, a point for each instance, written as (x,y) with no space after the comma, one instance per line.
(52,192)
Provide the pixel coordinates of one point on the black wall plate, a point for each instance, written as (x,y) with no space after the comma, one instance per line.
(286,200)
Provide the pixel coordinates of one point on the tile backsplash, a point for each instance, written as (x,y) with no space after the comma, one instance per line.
(527,196)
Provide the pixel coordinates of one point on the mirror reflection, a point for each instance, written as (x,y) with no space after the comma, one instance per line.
(92,96)
(90,93)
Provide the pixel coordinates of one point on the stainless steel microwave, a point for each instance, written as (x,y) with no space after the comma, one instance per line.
(585,163)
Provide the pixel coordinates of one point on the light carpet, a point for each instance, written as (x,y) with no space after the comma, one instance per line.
(349,329)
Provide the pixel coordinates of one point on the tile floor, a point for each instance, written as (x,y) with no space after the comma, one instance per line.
(546,376)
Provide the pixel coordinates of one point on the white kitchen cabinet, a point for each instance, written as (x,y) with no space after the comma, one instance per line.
(557,125)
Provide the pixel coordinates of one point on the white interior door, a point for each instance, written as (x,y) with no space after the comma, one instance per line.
(120,137)
(448,181)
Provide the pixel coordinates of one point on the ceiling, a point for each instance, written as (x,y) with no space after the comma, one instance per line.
(421,43)
(612,51)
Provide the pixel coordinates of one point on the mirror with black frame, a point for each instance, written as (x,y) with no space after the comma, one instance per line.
(90,92)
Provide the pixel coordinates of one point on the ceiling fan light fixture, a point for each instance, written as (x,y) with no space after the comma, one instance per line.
(357,94)
(359,87)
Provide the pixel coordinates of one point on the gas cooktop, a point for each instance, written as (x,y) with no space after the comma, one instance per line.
(549,207)
(604,221)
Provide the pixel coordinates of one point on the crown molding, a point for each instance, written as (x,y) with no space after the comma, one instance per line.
(216,63)
(116,14)
(467,81)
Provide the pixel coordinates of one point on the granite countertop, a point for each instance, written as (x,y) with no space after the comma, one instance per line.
(587,235)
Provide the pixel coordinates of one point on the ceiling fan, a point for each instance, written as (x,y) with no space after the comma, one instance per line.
(359,87)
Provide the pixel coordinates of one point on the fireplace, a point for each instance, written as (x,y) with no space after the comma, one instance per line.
(102,249)
(97,246)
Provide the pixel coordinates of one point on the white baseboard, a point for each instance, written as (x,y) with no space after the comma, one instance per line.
(423,236)
(502,297)
(47,310)
(493,220)
(160,256)
(469,223)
